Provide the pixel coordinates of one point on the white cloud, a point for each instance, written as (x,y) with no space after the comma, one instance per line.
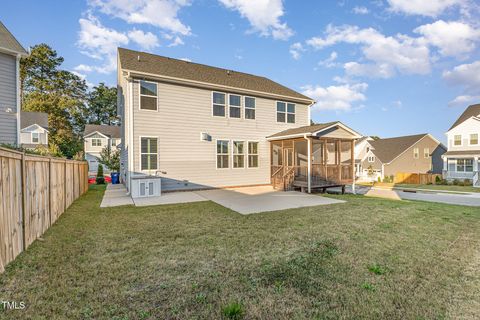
(452,38)
(330,61)
(387,54)
(464,100)
(296,50)
(100,43)
(360,10)
(158,13)
(146,40)
(83,68)
(468,77)
(177,41)
(340,97)
(431,8)
(263,15)
(186,59)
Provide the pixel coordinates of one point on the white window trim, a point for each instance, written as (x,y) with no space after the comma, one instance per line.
(470,139)
(31,138)
(257,154)
(245,108)
(464,165)
(228,153)
(146,95)
(241,106)
(91,142)
(425,153)
(461,140)
(416,155)
(371,159)
(140,154)
(225,105)
(286,112)
(239,154)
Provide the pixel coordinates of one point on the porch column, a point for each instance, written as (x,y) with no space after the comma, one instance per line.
(445,167)
(353,165)
(475,164)
(309,165)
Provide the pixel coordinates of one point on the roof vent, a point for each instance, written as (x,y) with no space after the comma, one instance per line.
(138,57)
(229,72)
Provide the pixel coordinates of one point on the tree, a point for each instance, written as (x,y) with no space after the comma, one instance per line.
(60,93)
(110,159)
(102,105)
(375,138)
(100,179)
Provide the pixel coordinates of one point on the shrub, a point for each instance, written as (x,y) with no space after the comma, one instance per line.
(438,180)
(379,179)
(233,310)
(456,182)
(467,182)
(100,178)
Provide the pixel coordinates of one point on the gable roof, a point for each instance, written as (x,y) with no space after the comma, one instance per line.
(388,149)
(310,130)
(109,131)
(471,111)
(367,138)
(143,62)
(30,118)
(8,41)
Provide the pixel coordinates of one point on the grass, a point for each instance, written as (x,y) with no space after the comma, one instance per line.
(367,258)
(439,187)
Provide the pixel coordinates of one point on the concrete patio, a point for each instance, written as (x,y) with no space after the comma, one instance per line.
(245,200)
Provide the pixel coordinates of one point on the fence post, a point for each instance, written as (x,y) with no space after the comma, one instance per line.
(24,201)
(65,185)
(50,190)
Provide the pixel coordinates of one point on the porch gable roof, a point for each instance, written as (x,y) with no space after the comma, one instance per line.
(312,130)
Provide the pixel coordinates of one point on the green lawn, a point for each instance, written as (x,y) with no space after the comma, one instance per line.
(364,259)
(439,187)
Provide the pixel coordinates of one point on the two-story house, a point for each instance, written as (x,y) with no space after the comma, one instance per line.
(33,129)
(462,161)
(10,54)
(96,138)
(197,126)
(381,158)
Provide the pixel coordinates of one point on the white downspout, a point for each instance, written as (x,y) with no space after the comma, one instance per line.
(19,103)
(130,134)
(309,168)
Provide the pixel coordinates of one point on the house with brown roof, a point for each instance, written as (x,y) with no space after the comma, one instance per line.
(96,138)
(462,160)
(191,126)
(10,53)
(381,158)
(33,129)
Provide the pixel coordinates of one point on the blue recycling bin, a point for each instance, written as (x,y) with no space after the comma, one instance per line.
(115,176)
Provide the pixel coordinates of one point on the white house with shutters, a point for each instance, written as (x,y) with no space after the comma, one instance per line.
(462,160)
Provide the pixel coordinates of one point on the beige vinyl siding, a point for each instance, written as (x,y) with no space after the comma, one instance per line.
(183,113)
(8,99)
(338,133)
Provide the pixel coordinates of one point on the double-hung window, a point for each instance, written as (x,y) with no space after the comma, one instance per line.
(426,153)
(35,137)
(457,140)
(148,153)
(371,159)
(474,139)
(238,154)
(114,142)
(235,106)
(285,112)
(415,153)
(148,96)
(249,108)
(253,154)
(465,165)
(222,154)
(96,142)
(218,100)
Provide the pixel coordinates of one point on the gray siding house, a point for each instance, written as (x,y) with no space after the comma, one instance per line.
(33,129)
(10,53)
(195,126)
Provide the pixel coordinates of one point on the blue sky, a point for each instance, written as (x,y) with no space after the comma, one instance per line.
(386,68)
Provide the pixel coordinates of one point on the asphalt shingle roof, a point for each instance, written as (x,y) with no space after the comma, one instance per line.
(169,67)
(29,118)
(110,131)
(303,130)
(388,149)
(471,111)
(8,41)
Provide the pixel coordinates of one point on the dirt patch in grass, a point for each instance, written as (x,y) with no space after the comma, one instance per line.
(367,258)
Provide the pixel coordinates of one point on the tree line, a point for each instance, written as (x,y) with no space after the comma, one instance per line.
(66,98)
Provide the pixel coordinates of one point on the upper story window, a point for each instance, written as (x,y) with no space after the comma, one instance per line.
(235,106)
(35,137)
(457,140)
(249,108)
(426,153)
(148,96)
(222,154)
(218,100)
(96,142)
(114,142)
(285,112)
(474,139)
(415,153)
(148,153)
(371,159)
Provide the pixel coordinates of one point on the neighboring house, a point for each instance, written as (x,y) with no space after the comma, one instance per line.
(33,129)
(198,126)
(96,138)
(382,158)
(362,147)
(10,53)
(463,156)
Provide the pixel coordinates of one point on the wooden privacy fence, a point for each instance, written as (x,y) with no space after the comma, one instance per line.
(416,178)
(34,192)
